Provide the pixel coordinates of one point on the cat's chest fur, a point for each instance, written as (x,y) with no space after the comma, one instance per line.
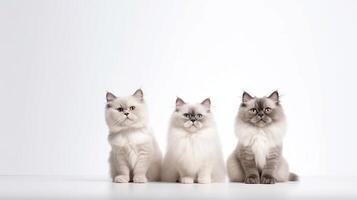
(128,144)
(260,144)
(194,148)
(260,141)
(130,138)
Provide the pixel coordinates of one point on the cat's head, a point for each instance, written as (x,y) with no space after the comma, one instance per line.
(192,117)
(126,112)
(261,112)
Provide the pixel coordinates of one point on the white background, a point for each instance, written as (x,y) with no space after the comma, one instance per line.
(57,59)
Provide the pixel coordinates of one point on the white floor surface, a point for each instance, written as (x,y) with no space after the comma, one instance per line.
(89,187)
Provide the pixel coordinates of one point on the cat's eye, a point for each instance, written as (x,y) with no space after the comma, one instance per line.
(253,110)
(199,115)
(120,109)
(267,109)
(186,115)
(132,107)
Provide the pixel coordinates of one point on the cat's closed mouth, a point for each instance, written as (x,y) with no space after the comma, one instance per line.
(127,118)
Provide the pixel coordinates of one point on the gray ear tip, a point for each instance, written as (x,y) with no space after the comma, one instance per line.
(246,96)
(275,96)
(206,102)
(110,96)
(107,93)
(178,99)
(139,93)
(275,93)
(245,93)
(179,102)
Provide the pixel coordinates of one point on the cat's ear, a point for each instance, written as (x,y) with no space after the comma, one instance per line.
(139,94)
(110,96)
(246,97)
(179,102)
(207,103)
(274,96)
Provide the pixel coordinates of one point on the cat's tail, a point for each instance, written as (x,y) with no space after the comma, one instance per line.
(293,177)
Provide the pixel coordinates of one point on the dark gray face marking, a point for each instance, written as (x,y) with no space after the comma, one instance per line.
(256,111)
(260,106)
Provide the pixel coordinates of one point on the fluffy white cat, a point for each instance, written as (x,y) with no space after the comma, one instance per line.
(193,150)
(135,155)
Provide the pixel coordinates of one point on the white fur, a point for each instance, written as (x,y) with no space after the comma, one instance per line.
(130,141)
(135,154)
(134,137)
(193,154)
(261,140)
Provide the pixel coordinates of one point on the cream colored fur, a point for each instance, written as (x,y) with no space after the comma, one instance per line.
(135,155)
(193,150)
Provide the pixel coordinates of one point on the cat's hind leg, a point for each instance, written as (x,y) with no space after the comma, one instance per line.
(234,169)
(282,171)
(155,168)
(153,173)
(219,171)
(169,172)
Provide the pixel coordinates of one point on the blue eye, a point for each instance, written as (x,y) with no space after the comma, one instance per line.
(120,109)
(186,115)
(199,115)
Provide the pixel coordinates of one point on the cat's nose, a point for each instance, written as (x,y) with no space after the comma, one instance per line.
(193,120)
(260,114)
(126,114)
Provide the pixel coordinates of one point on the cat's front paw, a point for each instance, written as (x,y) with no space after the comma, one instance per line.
(267,179)
(186,180)
(252,179)
(140,179)
(204,180)
(121,179)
